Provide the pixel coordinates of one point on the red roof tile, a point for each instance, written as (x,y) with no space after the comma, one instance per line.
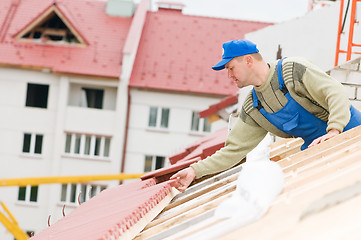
(226,102)
(199,150)
(114,211)
(105,35)
(109,214)
(211,146)
(165,173)
(202,148)
(176,52)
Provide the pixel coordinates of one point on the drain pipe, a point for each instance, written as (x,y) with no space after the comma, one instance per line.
(126,133)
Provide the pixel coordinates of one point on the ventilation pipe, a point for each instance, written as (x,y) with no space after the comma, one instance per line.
(120,8)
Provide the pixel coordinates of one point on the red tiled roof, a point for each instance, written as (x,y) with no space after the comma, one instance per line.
(114,212)
(209,147)
(110,214)
(202,148)
(104,34)
(226,102)
(199,150)
(165,173)
(176,52)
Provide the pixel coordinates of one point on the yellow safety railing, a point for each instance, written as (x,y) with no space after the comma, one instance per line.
(64,179)
(11,224)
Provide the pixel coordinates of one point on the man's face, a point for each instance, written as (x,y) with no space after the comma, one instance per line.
(238,71)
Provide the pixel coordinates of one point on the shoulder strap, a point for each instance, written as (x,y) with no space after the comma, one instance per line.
(256,103)
(280,77)
(248,111)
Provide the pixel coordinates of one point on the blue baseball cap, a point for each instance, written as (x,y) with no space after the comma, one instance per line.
(235,48)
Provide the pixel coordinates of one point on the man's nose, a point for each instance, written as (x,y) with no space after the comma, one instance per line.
(230,75)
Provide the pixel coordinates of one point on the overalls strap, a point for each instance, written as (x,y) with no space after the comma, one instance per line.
(282,87)
(256,103)
(295,120)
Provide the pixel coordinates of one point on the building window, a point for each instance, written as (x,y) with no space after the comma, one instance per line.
(28,194)
(37,95)
(76,192)
(158,117)
(200,124)
(32,143)
(93,98)
(152,163)
(52,30)
(87,145)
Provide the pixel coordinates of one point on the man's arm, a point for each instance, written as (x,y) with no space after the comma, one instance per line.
(185,178)
(331,95)
(241,140)
(330,134)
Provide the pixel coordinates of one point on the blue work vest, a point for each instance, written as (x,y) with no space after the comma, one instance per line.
(295,120)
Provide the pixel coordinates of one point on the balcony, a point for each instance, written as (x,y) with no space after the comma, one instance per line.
(90,120)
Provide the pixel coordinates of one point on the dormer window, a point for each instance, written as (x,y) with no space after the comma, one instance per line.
(51,27)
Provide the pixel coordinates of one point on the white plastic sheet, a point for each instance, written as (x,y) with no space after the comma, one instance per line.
(260,181)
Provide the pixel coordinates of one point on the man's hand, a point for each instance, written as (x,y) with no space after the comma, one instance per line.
(185,178)
(330,134)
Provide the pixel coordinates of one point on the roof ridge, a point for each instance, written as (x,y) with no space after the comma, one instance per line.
(119,215)
(8,18)
(223,18)
(158,193)
(69,17)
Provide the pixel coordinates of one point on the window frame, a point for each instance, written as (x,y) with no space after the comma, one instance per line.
(33,144)
(78,192)
(32,101)
(154,162)
(87,145)
(28,194)
(160,112)
(96,95)
(201,124)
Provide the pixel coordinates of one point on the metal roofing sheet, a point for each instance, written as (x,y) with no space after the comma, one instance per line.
(226,102)
(176,52)
(111,214)
(105,34)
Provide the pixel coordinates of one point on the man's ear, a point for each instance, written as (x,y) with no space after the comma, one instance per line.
(249,60)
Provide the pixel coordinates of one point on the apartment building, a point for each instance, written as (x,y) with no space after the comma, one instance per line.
(73,104)
(60,65)
(172,80)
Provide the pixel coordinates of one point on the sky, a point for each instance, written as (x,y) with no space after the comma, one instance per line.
(274,11)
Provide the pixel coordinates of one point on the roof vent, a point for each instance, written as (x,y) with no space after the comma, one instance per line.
(120,8)
(171,5)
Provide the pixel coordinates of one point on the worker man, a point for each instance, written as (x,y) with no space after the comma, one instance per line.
(291,98)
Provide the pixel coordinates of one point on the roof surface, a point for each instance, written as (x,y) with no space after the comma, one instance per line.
(225,102)
(320,198)
(105,37)
(176,52)
(120,211)
(115,212)
(320,183)
(202,148)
